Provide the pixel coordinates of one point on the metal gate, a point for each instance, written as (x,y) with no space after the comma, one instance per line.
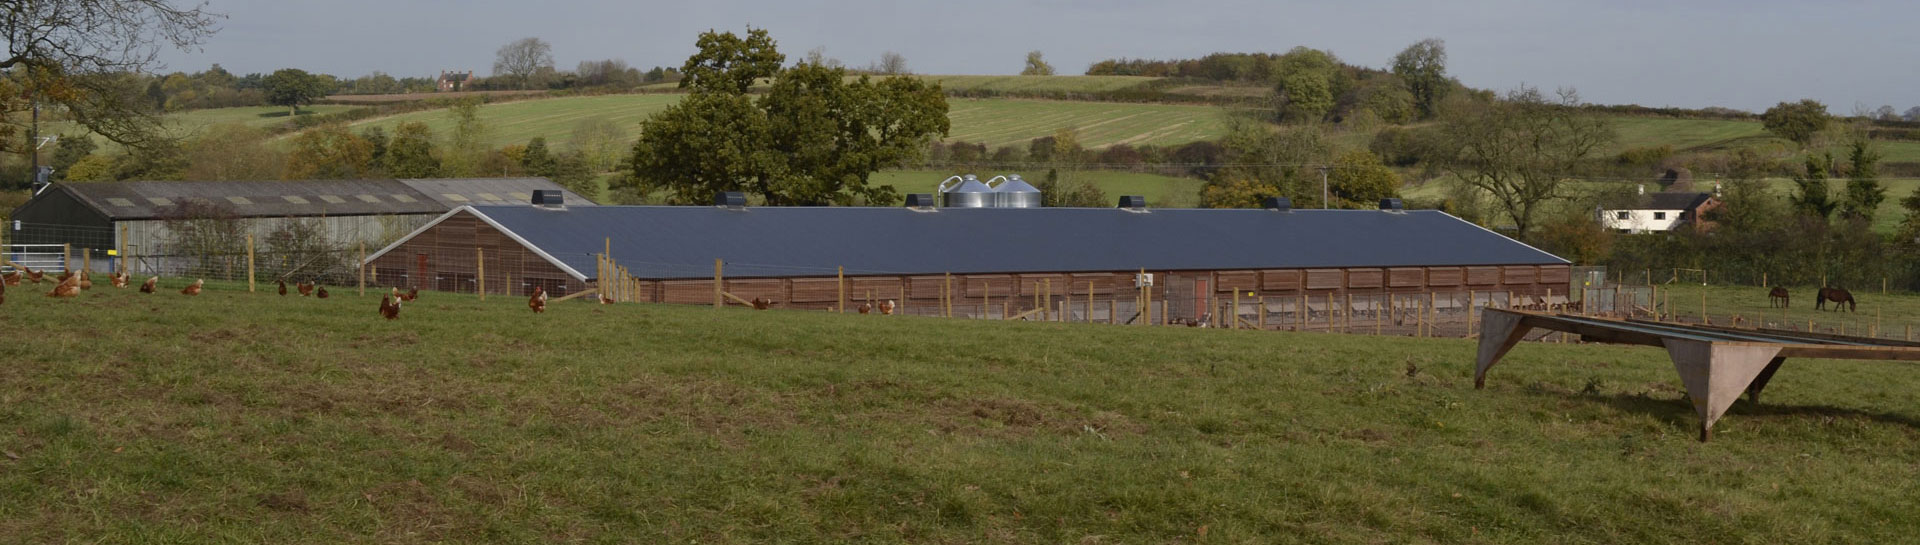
(1188,297)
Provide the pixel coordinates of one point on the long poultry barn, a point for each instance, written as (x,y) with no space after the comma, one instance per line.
(990,262)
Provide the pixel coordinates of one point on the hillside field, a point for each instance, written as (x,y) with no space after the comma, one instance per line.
(995,121)
(235,417)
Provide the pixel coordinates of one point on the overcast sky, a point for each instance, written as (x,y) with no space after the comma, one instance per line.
(1741,54)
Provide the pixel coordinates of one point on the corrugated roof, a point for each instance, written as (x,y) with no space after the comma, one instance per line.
(299,198)
(456,192)
(1675,201)
(665,242)
(157,199)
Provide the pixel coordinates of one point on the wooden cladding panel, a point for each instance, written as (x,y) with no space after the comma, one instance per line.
(986,285)
(1521,275)
(1407,277)
(1280,280)
(1102,283)
(1031,284)
(879,287)
(816,290)
(689,292)
(772,289)
(1555,274)
(1237,281)
(1326,279)
(930,287)
(1361,278)
(1483,276)
(1442,277)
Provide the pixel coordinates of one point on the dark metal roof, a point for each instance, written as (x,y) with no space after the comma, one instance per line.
(1675,201)
(666,242)
(453,193)
(149,200)
(304,198)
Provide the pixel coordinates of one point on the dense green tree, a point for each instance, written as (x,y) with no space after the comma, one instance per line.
(727,63)
(410,153)
(71,149)
(377,136)
(537,160)
(293,87)
(1036,66)
(1358,179)
(1812,194)
(329,152)
(1307,83)
(1519,150)
(571,171)
(1423,67)
(814,138)
(1796,121)
(1864,192)
(92,168)
(1265,163)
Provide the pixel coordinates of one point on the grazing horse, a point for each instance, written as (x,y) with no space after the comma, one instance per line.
(1777,297)
(1837,295)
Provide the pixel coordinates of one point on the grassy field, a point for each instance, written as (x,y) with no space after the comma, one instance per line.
(1160,191)
(995,121)
(1888,314)
(190,122)
(254,418)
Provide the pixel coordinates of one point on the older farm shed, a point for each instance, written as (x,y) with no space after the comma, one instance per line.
(166,224)
(965,261)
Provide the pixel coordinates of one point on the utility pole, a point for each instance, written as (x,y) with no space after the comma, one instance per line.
(1323,188)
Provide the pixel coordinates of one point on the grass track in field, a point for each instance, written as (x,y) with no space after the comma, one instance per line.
(254,418)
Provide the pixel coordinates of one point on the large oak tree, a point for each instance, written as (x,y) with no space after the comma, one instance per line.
(814,138)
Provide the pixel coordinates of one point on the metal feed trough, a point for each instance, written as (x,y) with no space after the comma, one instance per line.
(1716,364)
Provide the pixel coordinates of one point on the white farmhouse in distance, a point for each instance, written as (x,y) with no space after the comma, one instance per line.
(1659,212)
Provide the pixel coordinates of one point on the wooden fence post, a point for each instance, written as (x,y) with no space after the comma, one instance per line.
(480,271)
(249,263)
(363,269)
(1113,311)
(1433,313)
(718,278)
(1346,316)
(1233,317)
(1089,301)
(123,248)
(1377,321)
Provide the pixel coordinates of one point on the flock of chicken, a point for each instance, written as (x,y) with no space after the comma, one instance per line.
(68,284)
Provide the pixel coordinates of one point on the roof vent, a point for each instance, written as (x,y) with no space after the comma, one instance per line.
(731,200)
(1133,203)
(920,201)
(549,198)
(1278,204)
(1392,205)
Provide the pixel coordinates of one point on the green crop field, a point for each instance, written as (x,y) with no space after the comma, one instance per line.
(190,122)
(1160,191)
(994,121)
(251,418)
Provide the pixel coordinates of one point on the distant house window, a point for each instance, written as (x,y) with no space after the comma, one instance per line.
(1621,214)
(1659,215)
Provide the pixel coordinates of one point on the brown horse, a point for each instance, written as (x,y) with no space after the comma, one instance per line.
(1837,295)
(1777,298)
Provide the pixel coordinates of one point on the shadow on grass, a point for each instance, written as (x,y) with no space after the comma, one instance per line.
(1678,413)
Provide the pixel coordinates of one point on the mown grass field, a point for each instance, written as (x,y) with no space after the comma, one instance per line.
(1160,191)
(994,121)
(1889,315)
(241,418)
